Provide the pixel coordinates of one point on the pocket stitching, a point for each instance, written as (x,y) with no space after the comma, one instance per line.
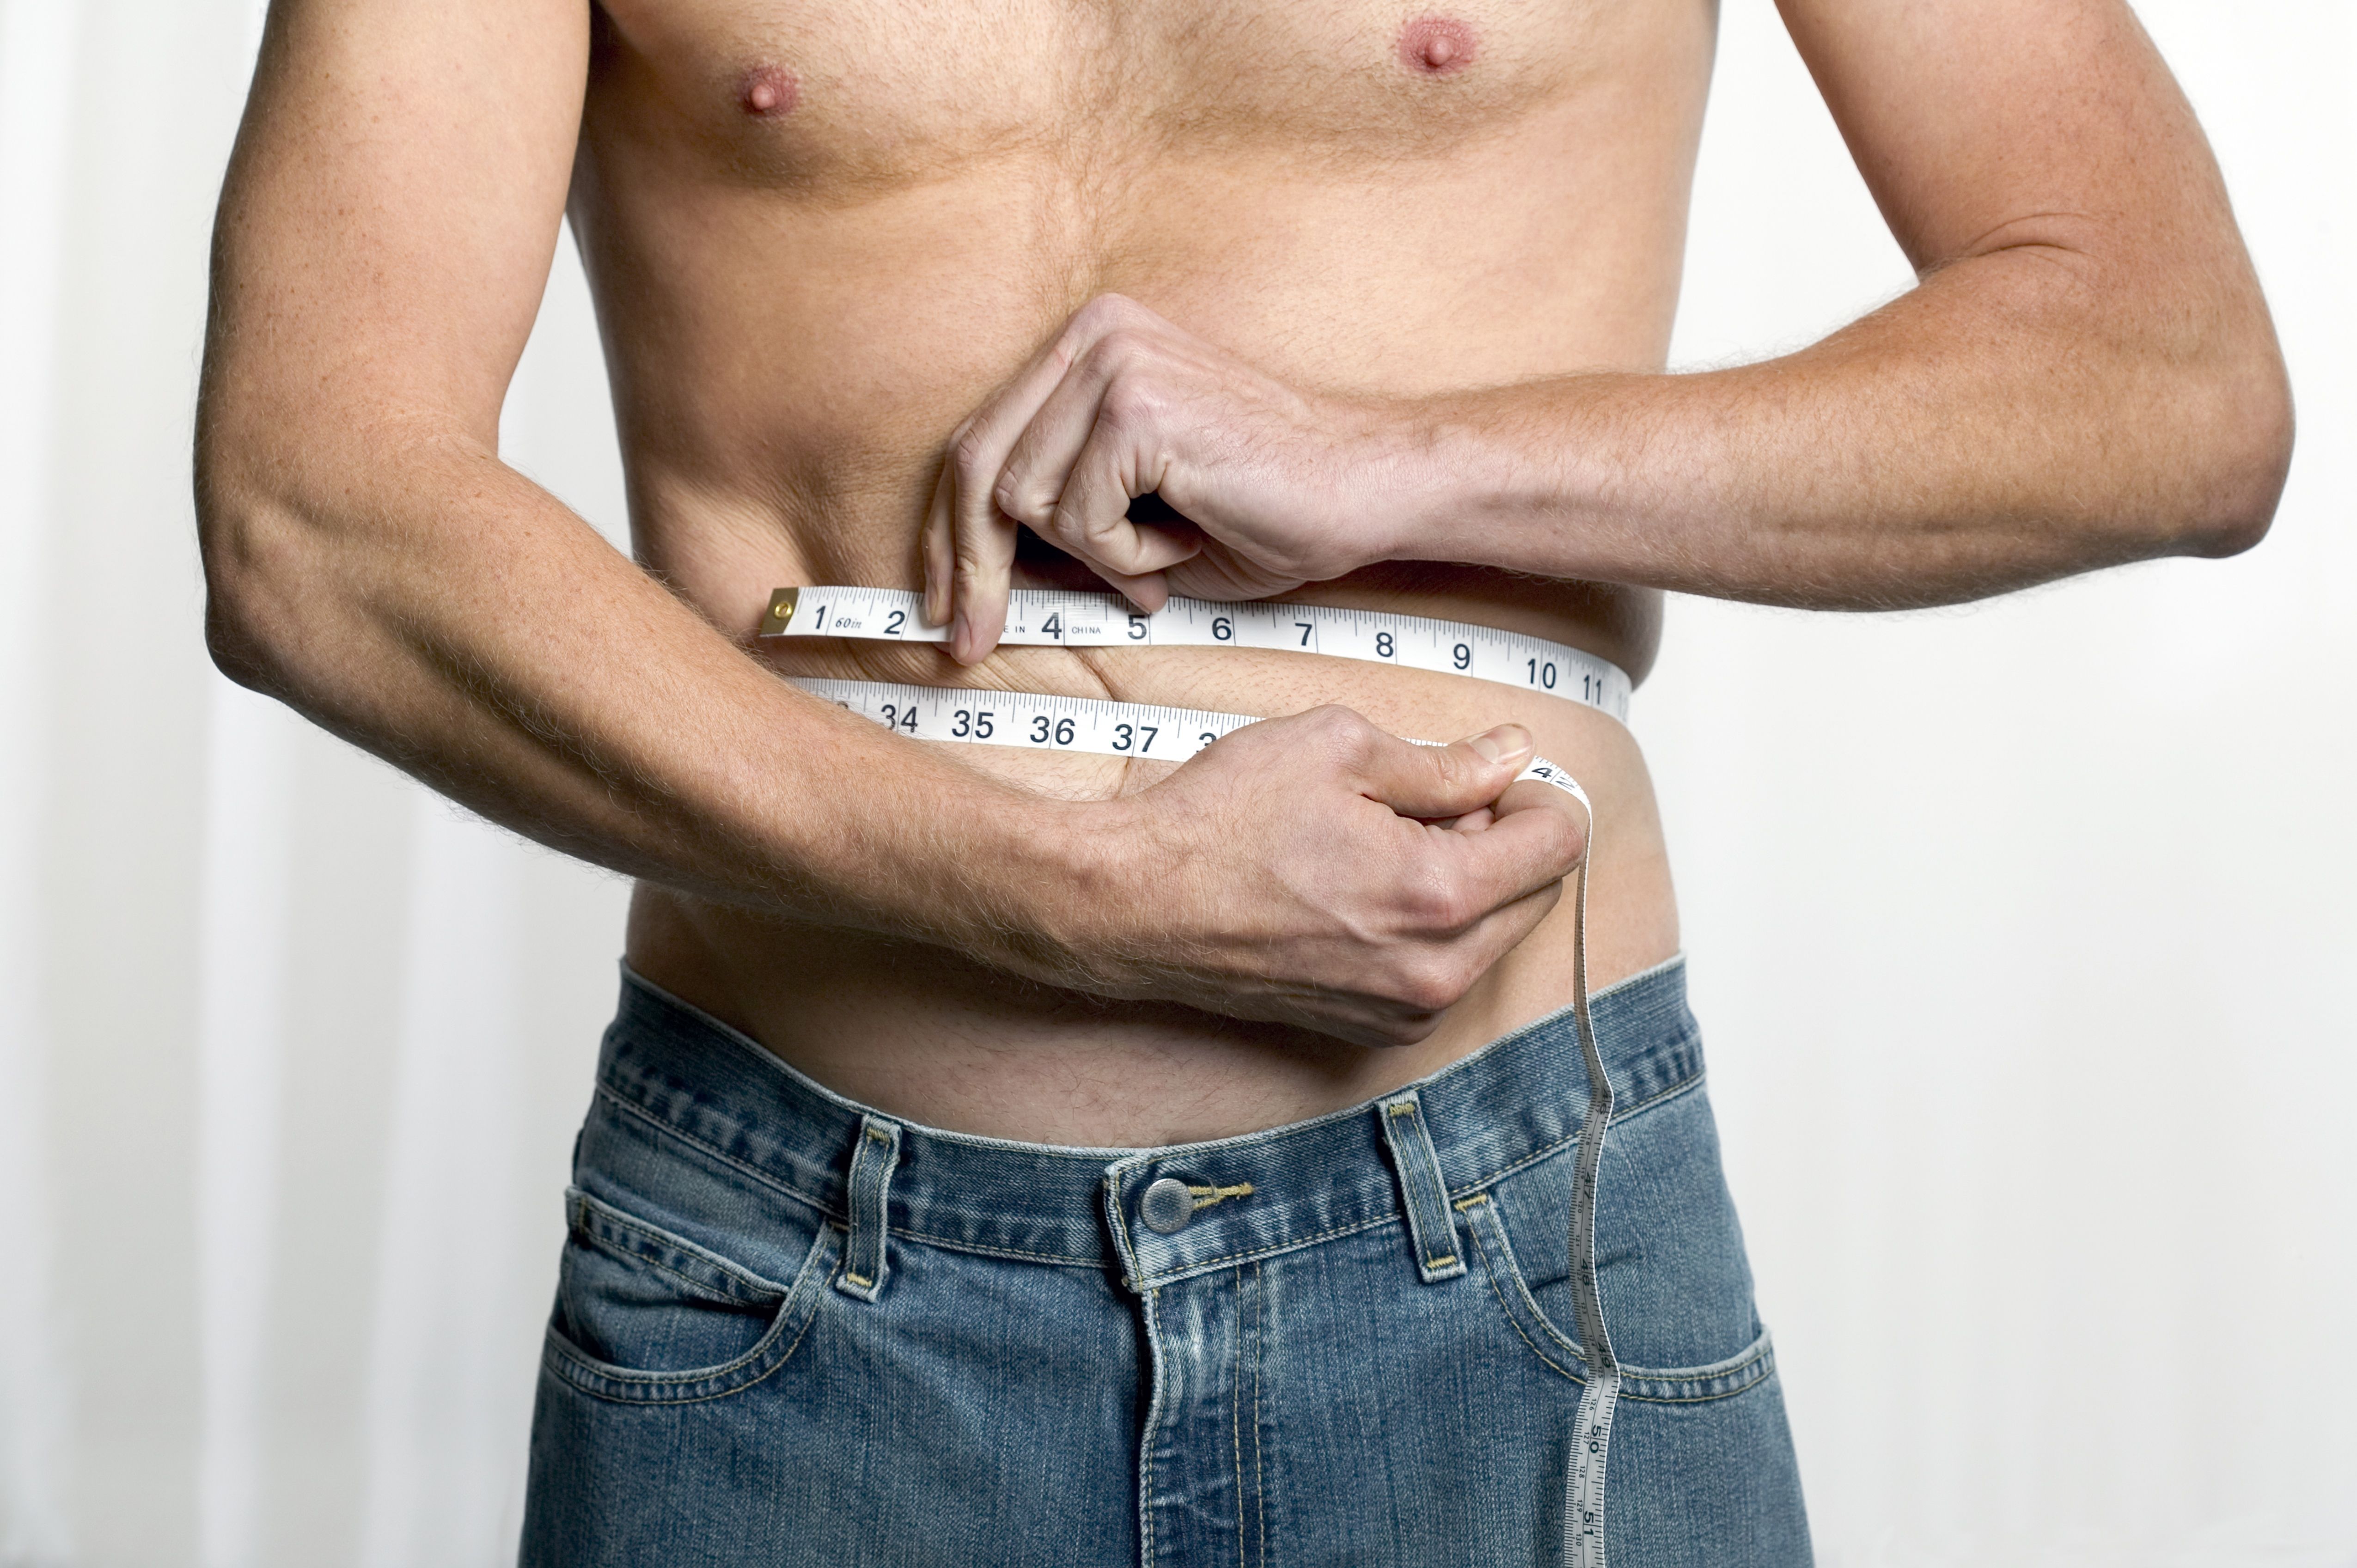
(1490,1247)
(1761,1353)
(1747,1368)
(622,1385)
(603,1379)
(699,1287)
(765,1291)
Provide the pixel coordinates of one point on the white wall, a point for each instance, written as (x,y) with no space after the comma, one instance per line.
(2020,933)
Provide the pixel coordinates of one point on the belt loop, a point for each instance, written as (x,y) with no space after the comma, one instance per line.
(1430,1225)
(865,1265)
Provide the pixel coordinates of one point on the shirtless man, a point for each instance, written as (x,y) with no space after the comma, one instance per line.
(1111,1235)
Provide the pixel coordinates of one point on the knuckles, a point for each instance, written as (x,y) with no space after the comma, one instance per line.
(1108,312)
(1403,1028)
(1345,740)
(1458,768)
(1023,501)
(1431,984)
(1435,900)
(1118,349)
(1130,407)
(1572,843)
(1567,839)
(970,456)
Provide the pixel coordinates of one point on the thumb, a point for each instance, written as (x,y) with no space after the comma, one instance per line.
(1438,781)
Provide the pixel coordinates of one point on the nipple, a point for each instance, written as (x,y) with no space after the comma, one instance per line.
(1436,46)
(767,91)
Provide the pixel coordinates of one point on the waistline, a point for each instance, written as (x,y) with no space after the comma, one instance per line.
(1518,1100)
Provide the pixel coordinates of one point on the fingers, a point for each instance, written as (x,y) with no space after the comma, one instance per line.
(1081,460)
(1438,781)
(938,547)
(980,560)
(1148,593)
(1503,928)
(1531,847)
(982,574)
(1495,887)
(1220,574)
(1032,480)
(1422,986)
(967,580)
(1091,520)
(1383,879)
(969,552)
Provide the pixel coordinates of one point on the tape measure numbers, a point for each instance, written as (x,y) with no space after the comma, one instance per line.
(1038,617)
(1028,720)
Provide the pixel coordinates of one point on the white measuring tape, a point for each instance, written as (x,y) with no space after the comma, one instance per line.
(1039,617)
(1028,721)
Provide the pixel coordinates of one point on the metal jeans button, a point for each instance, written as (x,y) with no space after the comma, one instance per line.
(1167,1205)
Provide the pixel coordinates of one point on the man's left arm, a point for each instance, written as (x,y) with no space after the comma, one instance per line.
(2085,375)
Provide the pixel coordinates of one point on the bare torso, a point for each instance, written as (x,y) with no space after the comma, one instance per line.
(819,235)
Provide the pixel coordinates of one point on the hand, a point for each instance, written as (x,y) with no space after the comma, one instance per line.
(1314,871)
(1275,488)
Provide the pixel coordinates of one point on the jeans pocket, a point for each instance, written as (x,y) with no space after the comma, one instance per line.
(1676,1286)
(645,1316)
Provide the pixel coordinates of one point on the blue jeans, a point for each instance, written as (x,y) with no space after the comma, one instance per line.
(789,1330)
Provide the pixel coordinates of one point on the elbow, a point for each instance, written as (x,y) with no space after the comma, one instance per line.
(2233,444)
(2248,463)
(239,634)
(2180,410)
(238,649)
(251,546)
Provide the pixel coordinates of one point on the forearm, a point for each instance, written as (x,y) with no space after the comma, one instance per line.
(2005,423)
(370,561)
(425,601)
(2086,373)
(454,619)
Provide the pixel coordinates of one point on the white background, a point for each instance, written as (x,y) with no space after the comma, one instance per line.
(2022,934)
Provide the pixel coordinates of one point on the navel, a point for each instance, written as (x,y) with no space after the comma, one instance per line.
(1436,46)
(766,91)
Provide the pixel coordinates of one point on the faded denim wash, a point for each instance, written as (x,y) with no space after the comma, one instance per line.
(791,1330)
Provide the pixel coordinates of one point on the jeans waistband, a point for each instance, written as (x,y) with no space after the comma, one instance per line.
(1518,1100)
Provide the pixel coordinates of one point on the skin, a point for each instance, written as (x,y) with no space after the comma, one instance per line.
(1377,305)
(769,91)
(1437,44)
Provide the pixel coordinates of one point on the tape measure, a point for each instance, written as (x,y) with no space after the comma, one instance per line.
(1029,721)
(1034,722)
(1038,617)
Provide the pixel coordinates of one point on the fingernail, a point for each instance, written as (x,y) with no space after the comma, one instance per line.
(1506,740)
(959,636)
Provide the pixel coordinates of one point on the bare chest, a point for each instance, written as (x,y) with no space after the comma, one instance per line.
(850,96)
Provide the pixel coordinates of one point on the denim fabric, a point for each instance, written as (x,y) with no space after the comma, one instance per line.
(791,1330)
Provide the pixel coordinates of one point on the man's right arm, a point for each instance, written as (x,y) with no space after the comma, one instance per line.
(384,241)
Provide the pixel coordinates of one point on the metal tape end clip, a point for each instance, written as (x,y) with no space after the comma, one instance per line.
(781,612)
